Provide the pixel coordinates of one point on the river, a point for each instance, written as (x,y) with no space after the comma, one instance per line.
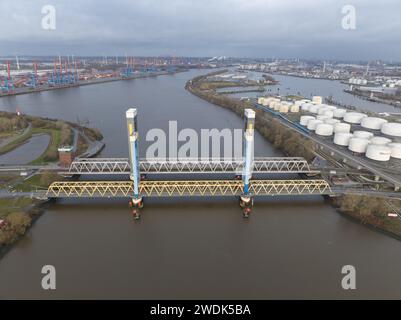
(191,248)
(317,87)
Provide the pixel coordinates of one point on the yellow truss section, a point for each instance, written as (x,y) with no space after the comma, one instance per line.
(186,188)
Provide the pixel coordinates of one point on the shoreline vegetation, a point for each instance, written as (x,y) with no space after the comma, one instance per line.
(18,212)
(370,211)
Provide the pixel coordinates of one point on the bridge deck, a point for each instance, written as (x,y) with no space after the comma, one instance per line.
(187,188)
(122,166)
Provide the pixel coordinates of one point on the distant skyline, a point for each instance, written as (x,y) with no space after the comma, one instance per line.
(308,29)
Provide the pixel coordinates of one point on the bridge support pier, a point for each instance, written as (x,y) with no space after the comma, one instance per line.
(246,200)
(136,202)
(246,203)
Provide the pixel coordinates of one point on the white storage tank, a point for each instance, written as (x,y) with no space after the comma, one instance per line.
(322,110)
(305,119)
(342,138)
(277,106)
(391,129)
(329,113)
(312,124)
(332,108)
(373,123)
(378,152)
(322,117)
(380,140)
(314,109)
(354,117)
(283,108)
(342,127)
(317,99)
(306,106)
(331,121)
(299,103)
(395,150)
(324,129)
(339,113)
(363,134)
(266,101)
(294,108)
(261,100)
(273,103)
(358,145)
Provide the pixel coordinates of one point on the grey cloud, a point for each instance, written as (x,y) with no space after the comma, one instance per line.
(264,28)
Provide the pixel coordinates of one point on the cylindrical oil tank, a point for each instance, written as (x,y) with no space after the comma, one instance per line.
(305,119)
(322,110)
(395,150)
(378,152)
(363,134)
(380,140)
(354,117)
(331,121)
(283,108)
(273,103)
(329,113)
(294,108)
(317,99)
(277,106)
(391,129)
(342,138)
(358,145)
(314,109)
(331,108)
(342,127)
(261,100)
(323,129)
(372,123)
(313,123)
(322,117)
(298,103)
(339,113)
(306,106)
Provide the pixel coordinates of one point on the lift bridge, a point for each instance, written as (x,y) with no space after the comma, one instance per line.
(241,184)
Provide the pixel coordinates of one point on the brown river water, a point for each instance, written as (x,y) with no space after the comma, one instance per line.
(187,248)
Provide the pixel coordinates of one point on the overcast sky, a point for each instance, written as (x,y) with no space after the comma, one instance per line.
(241,28)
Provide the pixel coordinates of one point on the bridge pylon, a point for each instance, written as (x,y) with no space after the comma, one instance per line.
(136,201)
(246,200)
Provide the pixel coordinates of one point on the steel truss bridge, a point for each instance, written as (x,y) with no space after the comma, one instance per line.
(139,187)
(160,166)
(93,189)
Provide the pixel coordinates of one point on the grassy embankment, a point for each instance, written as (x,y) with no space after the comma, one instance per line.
(367,210)
(60,132)
(18,212)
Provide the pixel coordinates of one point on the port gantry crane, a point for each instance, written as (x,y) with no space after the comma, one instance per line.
(136,189)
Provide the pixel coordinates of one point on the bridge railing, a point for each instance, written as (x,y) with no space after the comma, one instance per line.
(189,165)
(78,189)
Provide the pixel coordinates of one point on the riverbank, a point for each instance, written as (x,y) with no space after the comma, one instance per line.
(365,95)
(372,213)
(17,211)
(19,220)
(20,91)
(18,129)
